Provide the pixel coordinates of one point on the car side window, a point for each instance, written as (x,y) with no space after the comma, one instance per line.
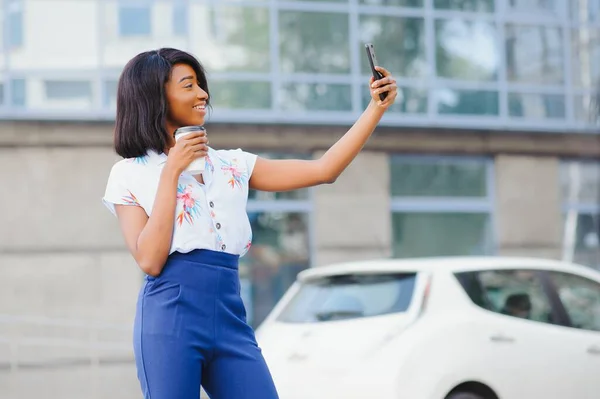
(516,293)
(581,299)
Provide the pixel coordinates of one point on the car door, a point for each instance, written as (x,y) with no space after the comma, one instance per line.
(522,335)
(580,298)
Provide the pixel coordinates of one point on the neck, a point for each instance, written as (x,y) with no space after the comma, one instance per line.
(171,128)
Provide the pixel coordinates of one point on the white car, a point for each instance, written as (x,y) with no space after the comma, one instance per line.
(455,328)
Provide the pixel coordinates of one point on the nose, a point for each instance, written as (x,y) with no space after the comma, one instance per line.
(201,94)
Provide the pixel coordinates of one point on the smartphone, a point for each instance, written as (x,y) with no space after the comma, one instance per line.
(373,63)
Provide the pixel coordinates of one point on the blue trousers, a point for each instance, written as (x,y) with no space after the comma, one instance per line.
(190,330)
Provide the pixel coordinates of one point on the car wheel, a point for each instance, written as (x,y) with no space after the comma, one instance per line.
(464,395)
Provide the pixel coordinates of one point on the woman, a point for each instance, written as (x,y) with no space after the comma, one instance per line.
(187,232)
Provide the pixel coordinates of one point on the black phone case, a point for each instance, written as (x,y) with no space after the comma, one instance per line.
(373,62)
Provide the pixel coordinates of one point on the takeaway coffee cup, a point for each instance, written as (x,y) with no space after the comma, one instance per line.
(196,167)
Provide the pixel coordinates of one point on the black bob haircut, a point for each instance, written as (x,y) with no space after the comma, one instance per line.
(142,102)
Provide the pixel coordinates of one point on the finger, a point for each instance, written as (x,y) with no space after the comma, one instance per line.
(385,81)
(194,135)
(385,91)
(381,90)
(389,87)
(199,140)
(392,92)
(201,154)
(187,142)
(383,71)
(388,100)
(200,147)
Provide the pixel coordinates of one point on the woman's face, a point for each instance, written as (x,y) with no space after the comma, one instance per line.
(186,100)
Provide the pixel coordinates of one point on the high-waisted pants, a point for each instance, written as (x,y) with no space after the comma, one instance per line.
(190,330)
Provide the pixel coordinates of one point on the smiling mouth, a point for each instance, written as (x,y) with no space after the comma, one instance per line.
(200,107)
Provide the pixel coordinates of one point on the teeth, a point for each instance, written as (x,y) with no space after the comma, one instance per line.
(200,107)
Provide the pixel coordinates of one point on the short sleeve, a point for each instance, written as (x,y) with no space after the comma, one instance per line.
(250,161)
(117,190)
(241,157)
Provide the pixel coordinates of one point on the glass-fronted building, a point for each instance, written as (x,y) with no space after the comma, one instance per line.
(496,124)
(508,65)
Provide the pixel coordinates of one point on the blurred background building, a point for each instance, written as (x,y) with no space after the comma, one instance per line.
(491,150)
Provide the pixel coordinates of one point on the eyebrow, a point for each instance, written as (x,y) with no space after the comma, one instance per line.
(186,77)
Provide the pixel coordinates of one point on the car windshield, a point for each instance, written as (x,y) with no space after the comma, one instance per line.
(350,296)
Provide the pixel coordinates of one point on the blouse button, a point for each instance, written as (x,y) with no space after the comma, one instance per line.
(218,225)
(212,204)
(223,247)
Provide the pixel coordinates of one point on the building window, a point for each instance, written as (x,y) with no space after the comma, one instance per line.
(314,42)
(454,61)
(534,54)
(134,20)
(280,247)
(441,206)
(68,90)
(408,61)
(536,106)
(316,97)
(15,23)
(240,94)
(18,92)
(580,187)
(180,19)
(236,38)
(466,102)
(109,96)
(536,7)
(68,94)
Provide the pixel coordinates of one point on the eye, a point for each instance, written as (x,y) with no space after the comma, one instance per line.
(188,86)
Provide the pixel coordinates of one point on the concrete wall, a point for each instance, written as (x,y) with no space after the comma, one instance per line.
(114,381)
(528,211)
(352,216)
(56,229)
(68,291)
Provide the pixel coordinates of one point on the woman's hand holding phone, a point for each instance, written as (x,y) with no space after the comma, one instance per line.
(382,84)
